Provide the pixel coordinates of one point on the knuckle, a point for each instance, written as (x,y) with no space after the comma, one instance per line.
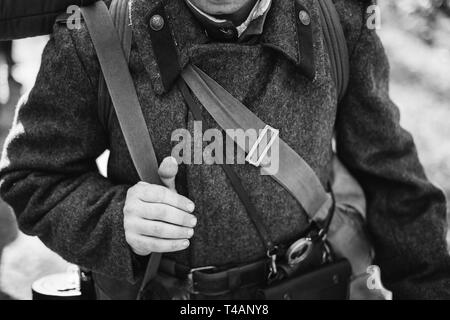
(154,195)
(162,195)
(131,239)
(134,189)
(157,197)
(157,230)
(130,193)
(137,190)
(132,225)
(127,209)
(154,246)
(135,243)
(141,245)
(161,213)
(127,224)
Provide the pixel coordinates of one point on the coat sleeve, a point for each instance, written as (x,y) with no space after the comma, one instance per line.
(406,213)
(48,170)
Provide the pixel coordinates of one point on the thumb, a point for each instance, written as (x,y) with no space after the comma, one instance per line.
(168,171)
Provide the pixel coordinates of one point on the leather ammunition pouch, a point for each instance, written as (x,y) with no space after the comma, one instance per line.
(329,282)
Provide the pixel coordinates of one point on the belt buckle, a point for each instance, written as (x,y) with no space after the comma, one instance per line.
(250,155)
(190,277)
(299,251)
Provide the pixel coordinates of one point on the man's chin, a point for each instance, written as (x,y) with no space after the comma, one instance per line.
(219,7)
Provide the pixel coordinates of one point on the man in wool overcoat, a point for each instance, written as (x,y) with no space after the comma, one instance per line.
(271,56)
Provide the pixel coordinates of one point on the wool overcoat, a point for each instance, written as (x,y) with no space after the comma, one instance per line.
(49,174)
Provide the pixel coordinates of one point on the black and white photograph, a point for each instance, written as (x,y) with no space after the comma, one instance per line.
(217,151)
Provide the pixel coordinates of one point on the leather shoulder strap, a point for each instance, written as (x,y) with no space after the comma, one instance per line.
(119,13)
(122,91)
(293,173)
(124,98)
(336,44)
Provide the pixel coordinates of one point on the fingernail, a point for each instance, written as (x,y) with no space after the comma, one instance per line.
(190,233)
(185,244)
(191,206)
(194,222)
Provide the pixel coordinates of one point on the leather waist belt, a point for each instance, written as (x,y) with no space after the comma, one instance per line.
(206,281)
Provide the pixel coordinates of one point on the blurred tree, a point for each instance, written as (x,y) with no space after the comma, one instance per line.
(423,15)
(445,7)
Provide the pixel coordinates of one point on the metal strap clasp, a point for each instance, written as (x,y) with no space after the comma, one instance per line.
(254,149)
(190,277)
(273,269)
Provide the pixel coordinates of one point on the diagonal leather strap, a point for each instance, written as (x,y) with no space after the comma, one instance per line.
(294,174)
(119,13)
(252,212)
(125,101)
(122,91)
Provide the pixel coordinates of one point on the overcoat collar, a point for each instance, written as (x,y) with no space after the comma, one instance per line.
(284,32)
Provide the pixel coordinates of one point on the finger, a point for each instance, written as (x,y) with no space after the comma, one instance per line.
(162,230)
(149,244)
(168,171)
(152,193)
(168,214)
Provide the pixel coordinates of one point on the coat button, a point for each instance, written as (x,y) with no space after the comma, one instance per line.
(304,17)
(156,22)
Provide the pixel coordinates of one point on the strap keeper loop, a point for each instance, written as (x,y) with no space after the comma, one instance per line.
(254,149)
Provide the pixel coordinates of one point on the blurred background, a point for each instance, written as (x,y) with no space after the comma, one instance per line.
(416,35)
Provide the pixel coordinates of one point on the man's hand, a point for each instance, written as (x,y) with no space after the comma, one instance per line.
(156,218)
